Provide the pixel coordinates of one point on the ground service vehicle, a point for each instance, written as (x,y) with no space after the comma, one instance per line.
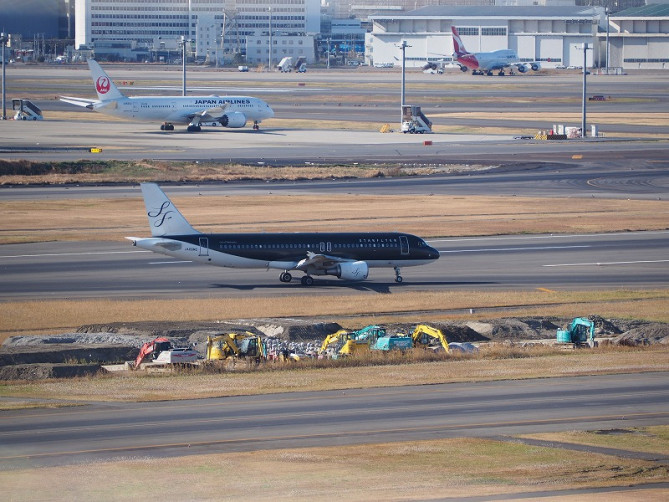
(427,337)
(161,351)
(285,65)
(580,332)
(26,110)
(414,120)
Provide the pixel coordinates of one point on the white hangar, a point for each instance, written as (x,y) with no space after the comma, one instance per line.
(551,35)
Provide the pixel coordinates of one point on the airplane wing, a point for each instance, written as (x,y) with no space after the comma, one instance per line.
(208,115)
(318,261)
(86,103)
(91,104)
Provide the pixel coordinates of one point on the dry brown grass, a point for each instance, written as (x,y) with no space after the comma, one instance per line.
(422,470)
(112,219)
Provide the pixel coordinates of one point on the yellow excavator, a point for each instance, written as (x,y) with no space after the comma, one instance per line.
(240,345)
(427,337)
(353,342)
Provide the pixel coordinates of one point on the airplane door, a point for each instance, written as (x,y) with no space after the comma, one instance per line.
(404,244)
(204,246)
(135,108)
(325,247)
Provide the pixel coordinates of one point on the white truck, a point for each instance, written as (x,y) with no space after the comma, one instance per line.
(26,110)
(285,65)
(414,121)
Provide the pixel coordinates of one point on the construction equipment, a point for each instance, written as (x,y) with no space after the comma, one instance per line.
(371,337)
(414,121)
(26,110)
(333,339)
(240,345)
(427,337)
(392,342)
(580,333)
(162,351)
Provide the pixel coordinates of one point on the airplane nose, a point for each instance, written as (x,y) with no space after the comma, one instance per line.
(270,112)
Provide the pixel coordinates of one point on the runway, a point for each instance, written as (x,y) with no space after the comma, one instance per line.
(562,262)
(97,432)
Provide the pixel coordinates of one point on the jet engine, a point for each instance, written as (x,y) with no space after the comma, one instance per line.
(233,119)
(522,68)
(350,271)
(535,66)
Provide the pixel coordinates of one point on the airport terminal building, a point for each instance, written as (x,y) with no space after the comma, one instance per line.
(551,35)
(139,29)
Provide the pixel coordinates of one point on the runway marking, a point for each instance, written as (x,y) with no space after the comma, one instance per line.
(169,262)
(527,248)
(585,418)
(604,263)
(88,253)
(545,290)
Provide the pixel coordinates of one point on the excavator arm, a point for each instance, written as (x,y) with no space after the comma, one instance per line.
(147,349)
(333,338)
(423,333)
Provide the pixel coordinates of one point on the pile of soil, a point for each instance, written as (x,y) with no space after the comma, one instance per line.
(84,352)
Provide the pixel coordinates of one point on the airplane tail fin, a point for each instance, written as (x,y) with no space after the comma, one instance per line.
(104,86)
(458,46)
(164,217)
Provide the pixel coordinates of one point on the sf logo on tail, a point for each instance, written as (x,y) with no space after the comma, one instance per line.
(102,85)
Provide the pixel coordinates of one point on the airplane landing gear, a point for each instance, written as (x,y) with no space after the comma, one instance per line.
(307,280)
(167,126)
(256,126)
(398,277)
(285,276)
(194,128)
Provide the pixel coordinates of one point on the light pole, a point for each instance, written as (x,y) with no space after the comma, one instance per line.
(184,40)
(269,68)
(585,72)
(404,52)
(4,38)
(608,13)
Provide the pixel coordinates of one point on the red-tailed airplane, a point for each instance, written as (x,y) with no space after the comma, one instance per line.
(229,111)
(487,62)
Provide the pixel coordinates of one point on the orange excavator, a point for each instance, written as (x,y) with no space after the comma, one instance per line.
(161,350)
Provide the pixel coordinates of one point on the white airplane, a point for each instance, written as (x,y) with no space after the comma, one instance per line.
(345,255)
(487,62)
(229,111)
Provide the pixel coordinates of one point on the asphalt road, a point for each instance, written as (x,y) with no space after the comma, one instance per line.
(43,437)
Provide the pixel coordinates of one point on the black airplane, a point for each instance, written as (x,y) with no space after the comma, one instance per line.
(345,255)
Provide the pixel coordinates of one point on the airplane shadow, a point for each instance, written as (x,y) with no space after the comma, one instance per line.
(376,287)
(181,131)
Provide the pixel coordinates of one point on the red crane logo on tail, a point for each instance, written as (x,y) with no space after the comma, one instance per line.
(102,85)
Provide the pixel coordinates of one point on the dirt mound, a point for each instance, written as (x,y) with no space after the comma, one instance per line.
(42,371)
(66,354)
(646,335)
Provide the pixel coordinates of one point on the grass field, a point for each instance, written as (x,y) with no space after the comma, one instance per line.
(450,469)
